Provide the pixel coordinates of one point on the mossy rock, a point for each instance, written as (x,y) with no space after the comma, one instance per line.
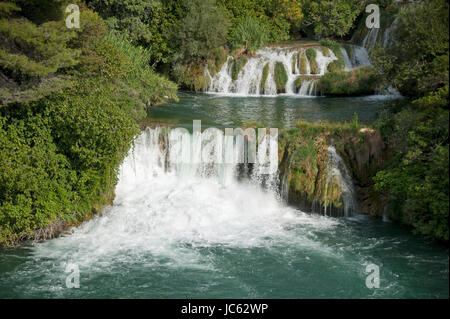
(281,77)
(238,64)
(336,66)
(219,57)
(302,62)
(192,77)
(298,83)
(313,66)
(339,64)
(265,74)
(325,51)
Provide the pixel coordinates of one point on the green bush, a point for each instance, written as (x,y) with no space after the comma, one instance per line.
(361,81)
(59,152)
(248,33)
(336,65)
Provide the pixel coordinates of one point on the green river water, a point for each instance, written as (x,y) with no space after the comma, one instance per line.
(173,237)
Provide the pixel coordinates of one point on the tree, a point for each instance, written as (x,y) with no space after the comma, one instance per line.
(330,18)
(417,62)
(32,56)
(416,179)
(203,29)
(145,22)
(248,33)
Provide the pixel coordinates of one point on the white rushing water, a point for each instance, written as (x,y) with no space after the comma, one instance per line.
(357,57)
(248,81)
(163,204)
(337,170)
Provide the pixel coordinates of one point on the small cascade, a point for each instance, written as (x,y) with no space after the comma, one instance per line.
(308,88)
(370,39)
(337,171)
(285,183)
(357,57)
(388,34)
(382,36)
(252,80)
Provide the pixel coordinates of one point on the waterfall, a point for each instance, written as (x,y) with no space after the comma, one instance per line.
(308,88)
(210,154)
(383,37)
(370,39)
(387,37)
(357,57)
(249,81)
(338,171)
(160,152)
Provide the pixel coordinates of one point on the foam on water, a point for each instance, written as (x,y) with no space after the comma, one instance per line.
(161,209)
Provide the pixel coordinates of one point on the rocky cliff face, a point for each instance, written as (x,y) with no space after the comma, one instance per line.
(327,168)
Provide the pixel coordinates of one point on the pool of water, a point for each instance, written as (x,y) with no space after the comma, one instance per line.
(280,112)
(173,236)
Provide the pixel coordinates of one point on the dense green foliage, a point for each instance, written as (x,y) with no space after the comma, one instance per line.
(60,147)
(361,81)
(248,33)
(415,179)
(331,18)
(143,22)
(417,61)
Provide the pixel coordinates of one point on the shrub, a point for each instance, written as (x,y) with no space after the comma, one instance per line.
(336,65)
(360,81)
(248,33)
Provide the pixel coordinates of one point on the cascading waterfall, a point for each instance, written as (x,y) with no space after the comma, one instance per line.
(370,39)
(160,151)
(187,155)
(249,79)
(357,57)
(338,171)
(383,37)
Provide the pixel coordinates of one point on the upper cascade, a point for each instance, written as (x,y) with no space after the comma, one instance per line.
(281,70)
(272,71)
